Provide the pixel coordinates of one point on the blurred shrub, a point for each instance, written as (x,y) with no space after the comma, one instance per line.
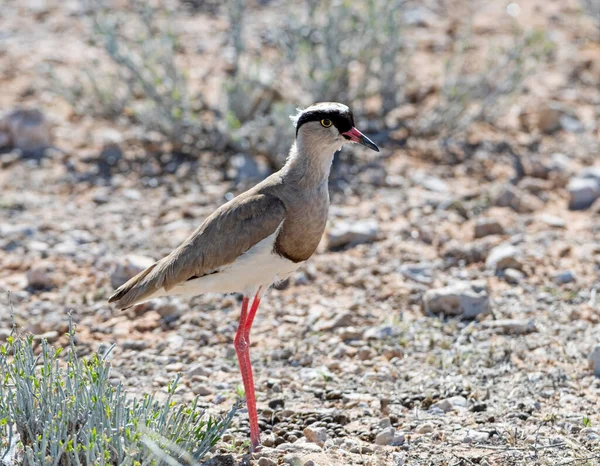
(67,412)
(143,80)
(327,51)
(470,94)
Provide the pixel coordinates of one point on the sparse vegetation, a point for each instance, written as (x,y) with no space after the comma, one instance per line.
(67,411)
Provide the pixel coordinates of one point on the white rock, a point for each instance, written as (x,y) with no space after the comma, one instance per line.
(594,360)
(425,428)
(389,436)
(582,193)
(504,256)
(511,326)
(466,299)
(316,435)
(513,276)
(346,233)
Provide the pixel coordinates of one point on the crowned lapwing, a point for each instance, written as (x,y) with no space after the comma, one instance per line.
(258,238)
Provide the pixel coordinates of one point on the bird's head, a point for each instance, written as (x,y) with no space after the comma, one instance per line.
(329,124)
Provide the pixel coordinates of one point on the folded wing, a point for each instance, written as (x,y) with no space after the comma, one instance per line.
(229,232)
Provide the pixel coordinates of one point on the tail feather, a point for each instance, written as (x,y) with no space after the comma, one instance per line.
(137,289)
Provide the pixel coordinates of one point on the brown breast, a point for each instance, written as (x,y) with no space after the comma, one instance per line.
(304,224)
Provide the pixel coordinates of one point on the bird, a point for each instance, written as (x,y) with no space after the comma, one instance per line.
(258,238)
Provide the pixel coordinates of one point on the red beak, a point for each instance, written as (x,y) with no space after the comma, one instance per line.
(355,135)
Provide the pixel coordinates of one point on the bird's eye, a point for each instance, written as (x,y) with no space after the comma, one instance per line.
(326,123)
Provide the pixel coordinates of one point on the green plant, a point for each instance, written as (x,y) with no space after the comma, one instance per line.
(65,411)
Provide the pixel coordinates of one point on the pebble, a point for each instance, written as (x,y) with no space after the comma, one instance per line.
(366,353)
(582,193)
(316,435)
(510,196)
(197,369)
(264,461)
(564,277)
(594,360)
(344,233)
(389,436)
(488,226)
(425,428)
(201,390)
(552,220)
(26,129)
(465,299)
(503,257)
(449,404)
(39,278)
(512,276)
(511,326)
(292,460)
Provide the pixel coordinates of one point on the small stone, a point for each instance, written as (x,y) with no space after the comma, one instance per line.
(513,276)
(28,130)
(548,118)
(197,369)
(511,326)
(278,403)
(366,353)
(488,226)
(201,390)
(386,436)
(389,436)
(582,193)
(310,463)
(552,220)
(462,299)
(316,435)
(508,195)
(50,336)
(220,460)
(426,428)
(594,360)
(264,461)
(450,403)
(344,234)
(562,278)
(39,278)
(292,460)
(504,256)
(385,423)
(475,436)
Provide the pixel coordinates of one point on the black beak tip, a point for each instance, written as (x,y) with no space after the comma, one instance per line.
(370,144)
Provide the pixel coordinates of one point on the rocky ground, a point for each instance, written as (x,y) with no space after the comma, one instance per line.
(450,316)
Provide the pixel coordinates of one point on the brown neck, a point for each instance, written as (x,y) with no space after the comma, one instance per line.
(308,165)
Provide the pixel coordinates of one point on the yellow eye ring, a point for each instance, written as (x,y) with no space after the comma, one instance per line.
(326,123)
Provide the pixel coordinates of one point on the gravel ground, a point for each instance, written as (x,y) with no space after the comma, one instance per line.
(449,317)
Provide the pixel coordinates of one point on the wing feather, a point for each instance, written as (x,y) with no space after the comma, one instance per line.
(229,232)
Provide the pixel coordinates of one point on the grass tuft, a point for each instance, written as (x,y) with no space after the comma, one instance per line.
(65,411)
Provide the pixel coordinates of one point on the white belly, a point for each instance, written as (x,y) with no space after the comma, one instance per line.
(257,267)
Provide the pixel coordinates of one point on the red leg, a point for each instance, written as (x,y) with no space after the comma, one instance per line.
(242,349)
